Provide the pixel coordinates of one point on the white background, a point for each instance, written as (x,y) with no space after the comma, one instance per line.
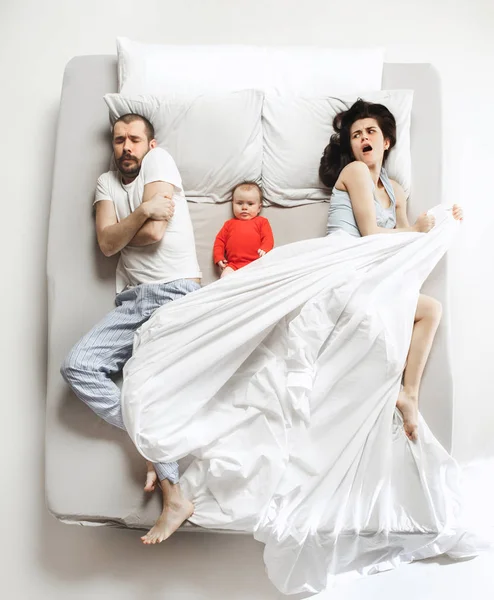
(44,559)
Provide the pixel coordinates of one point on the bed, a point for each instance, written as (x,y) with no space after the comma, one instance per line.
(94,476)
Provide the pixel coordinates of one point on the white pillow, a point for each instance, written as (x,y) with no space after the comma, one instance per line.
(216,140)
(296,131)
(168,69)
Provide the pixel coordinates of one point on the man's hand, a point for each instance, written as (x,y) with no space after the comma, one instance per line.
(221,264)
(261,252)
(159,208)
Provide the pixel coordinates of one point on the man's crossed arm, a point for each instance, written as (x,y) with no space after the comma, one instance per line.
(145,226)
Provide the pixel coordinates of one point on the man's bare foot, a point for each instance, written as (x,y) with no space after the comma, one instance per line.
(176,510)
(151,478)
(408,405)
(169,521)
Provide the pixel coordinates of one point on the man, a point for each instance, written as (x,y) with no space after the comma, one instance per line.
(142,213)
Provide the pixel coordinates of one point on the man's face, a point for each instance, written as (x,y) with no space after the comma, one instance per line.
(130,146)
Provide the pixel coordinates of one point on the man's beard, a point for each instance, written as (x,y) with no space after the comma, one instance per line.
(131,169)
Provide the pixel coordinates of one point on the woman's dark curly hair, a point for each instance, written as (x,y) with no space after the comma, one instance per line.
(338,153)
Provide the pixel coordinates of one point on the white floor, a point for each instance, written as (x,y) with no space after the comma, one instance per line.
(425,580)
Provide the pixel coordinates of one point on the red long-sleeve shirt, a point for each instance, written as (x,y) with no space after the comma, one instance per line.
(238,241)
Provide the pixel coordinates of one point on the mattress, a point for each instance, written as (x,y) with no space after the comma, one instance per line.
(94,475)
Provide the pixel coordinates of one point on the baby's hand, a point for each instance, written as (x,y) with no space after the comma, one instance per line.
(261,253)
(221,264)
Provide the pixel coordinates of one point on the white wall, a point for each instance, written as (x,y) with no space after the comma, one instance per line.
(44,559)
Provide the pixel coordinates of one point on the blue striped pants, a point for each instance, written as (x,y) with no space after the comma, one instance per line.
(104,351)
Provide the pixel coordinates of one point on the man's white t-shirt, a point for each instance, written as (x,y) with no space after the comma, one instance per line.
(174,257)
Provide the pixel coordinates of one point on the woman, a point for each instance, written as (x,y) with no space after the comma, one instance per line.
(365,201)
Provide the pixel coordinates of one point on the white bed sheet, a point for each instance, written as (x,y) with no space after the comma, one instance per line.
(281,381)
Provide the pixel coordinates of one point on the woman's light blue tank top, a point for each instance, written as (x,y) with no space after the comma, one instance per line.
(341,215)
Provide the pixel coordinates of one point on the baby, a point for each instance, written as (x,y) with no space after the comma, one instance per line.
(247,236)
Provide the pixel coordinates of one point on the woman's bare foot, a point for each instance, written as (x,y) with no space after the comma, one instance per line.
(151,478)
(408,405)
(176,510)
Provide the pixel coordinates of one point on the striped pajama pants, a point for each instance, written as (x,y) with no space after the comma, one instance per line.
(108,346)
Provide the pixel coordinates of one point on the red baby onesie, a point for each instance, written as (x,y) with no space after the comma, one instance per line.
(238,241)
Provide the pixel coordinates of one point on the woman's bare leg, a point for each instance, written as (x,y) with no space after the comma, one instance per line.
(427,318)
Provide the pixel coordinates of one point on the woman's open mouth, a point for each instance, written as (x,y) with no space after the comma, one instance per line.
(367,148)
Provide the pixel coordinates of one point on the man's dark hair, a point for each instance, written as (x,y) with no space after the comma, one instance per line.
(130,117)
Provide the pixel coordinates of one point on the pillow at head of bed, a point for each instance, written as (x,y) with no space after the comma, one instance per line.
(169,69)
(215,140)
(297,129)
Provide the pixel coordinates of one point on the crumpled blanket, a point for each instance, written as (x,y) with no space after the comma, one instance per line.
(281,382)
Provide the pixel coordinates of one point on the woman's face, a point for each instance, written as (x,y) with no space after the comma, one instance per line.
(367,141)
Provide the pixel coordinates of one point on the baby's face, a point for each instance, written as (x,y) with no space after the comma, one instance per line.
(246,203)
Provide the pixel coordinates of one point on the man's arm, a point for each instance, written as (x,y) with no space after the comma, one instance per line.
(113,235)
(153,230)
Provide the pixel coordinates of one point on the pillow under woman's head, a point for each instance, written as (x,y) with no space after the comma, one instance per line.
(296,131)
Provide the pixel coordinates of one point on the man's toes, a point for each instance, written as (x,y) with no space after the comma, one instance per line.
(153,537)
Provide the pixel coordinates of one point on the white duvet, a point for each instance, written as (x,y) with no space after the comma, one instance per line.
(281,382)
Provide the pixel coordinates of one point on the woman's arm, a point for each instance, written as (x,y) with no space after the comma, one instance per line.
(356,179)
(401,206)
